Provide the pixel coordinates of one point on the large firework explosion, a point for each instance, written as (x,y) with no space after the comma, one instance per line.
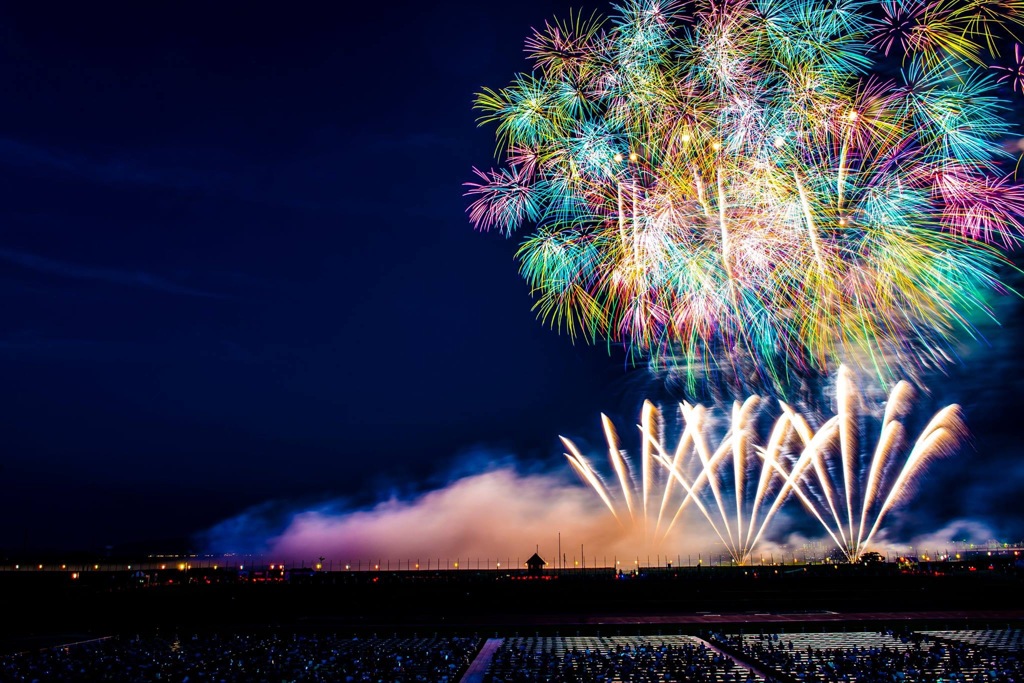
(734,189)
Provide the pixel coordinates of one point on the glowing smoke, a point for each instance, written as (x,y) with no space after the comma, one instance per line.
(497,515)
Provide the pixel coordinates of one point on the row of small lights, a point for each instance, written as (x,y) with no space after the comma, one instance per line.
(183,566)
(319,566)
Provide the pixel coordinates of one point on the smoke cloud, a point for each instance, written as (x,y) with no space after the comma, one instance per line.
(500,514)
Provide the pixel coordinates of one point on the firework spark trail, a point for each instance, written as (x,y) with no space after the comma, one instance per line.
(941,437)
(619,463)
(685,443)
(727,190)
(647,428)
(709,463)
(842,485)
(770,454)
(848,438)
(791,485)
(582,467)
(893,433)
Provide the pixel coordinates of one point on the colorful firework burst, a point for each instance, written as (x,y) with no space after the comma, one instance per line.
(727,190)
(1014,74)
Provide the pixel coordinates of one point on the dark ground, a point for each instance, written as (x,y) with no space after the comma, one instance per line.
(42,607)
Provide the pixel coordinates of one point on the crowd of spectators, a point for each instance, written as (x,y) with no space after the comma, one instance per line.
(886,657)
(856,657)
(1007,639)
(614,660)
(248,658)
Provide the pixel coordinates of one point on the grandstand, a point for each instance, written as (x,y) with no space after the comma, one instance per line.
(616,658)
(1010,640)
(903,656)
(249,658)
(908,657)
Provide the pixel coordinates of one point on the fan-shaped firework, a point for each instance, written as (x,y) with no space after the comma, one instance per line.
(722,186)
(838,479)
(740,485)
(712,480)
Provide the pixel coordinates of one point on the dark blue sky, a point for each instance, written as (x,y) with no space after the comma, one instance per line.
(235,266)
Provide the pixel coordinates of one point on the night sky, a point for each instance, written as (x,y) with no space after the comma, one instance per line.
(235,267)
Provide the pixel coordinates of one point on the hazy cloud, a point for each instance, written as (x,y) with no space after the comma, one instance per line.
(131,278)
(112,171)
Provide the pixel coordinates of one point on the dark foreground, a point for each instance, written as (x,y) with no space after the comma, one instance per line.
(46,605)
(908,654)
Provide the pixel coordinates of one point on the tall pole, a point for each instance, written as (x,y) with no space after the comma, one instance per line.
(559,549)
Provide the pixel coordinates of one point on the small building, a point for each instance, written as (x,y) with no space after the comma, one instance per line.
(535,565)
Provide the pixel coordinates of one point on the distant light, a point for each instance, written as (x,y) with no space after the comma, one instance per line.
(41,566)
(686,138)
(633,157)
(852,116)
(716,145)
(779,141)
(618,157)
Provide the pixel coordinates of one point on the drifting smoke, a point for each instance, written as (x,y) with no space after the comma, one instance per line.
(960,531)
(501,514)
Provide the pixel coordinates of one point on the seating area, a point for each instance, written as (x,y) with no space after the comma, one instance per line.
(876,657)
(1002,640)
(249,658)
(953,656)
(614,659)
